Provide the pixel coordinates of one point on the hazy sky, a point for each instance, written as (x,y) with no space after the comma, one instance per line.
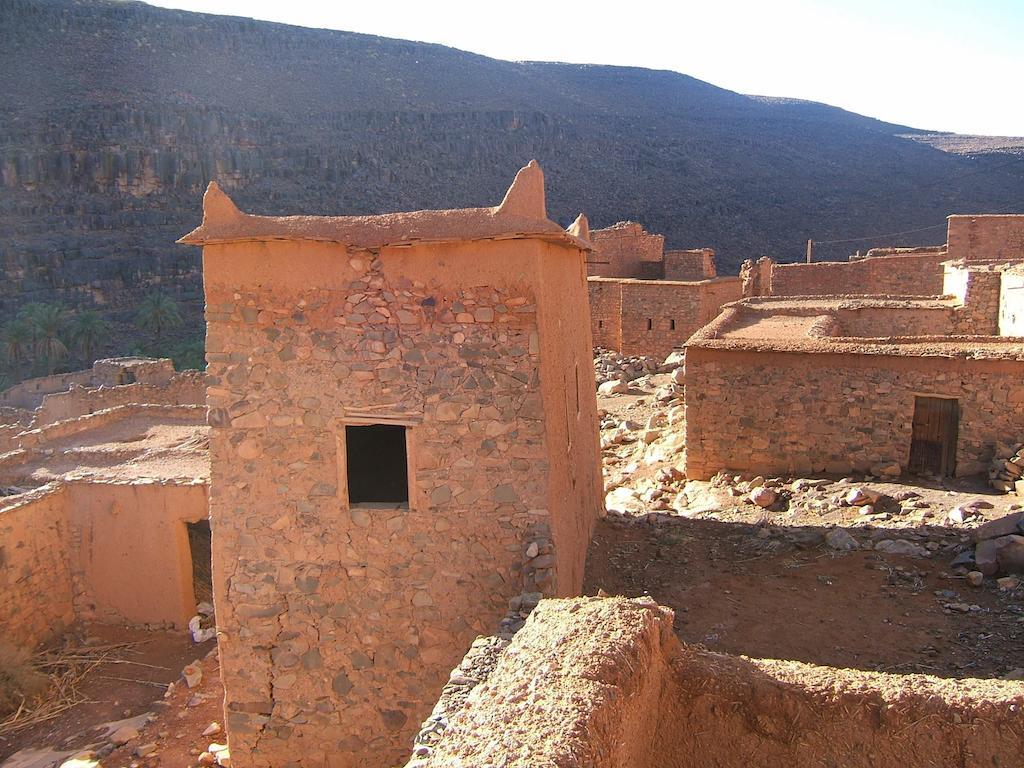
(953,65)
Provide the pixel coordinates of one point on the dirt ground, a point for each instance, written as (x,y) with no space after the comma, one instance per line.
(131,684)
(736,592)
(139,447)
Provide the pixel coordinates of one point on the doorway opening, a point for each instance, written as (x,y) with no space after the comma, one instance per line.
(202,571)
(933,441)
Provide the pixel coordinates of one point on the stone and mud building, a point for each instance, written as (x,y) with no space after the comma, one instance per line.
(894,362)
(403,438)
(645,300)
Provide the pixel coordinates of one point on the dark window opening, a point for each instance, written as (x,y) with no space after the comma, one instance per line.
(650,324)
(600,323)
(377,464)
(199,549)
(671,325)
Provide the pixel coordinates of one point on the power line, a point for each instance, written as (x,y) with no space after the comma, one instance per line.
(879,237)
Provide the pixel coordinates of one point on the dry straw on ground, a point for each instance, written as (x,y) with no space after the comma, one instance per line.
(37,688)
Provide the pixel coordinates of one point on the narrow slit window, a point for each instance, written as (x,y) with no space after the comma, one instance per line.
(650,324)
(377,464)
(600,323)
(671,325)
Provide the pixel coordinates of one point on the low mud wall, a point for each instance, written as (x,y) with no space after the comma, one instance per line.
(109,552)
(37,601)
(187,388)
(130,550)
(605,683)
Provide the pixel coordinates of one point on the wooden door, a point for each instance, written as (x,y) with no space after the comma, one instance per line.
(933,442)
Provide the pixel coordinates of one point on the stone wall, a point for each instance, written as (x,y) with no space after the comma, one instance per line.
(986,237)
(654,316)
(882,322)
(909,274)
(978,290)
(791,413)
(690,265)
(604,683)
(35,567)
(626,250)
(338,621)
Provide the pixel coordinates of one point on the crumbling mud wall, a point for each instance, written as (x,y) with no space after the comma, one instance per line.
(653,317)
(793,412)
(985,237)
(110,372)
(918,273)
(626,249)
(690,265)
(35,567)
(186,388)
(605,683)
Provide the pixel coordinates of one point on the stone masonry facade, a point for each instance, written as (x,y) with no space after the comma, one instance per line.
(653,317)
(338,620)
(837,413)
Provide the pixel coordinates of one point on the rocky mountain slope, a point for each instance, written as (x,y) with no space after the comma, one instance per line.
(115,115)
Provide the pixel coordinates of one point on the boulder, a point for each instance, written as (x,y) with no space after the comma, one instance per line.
(859,496)
(840,539)
(614,387)
(890,469)
(901,547)
(1004,554)
(763,497)
(1003,526)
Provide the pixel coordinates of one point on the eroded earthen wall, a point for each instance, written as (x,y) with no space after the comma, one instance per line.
(978,238)
(903,275)
(626,250)
(339,622)
(792,413)
(605,683)
(35,568)
(690,265)
(187,388)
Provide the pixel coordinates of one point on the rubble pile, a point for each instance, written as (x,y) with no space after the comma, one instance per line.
(611,366)
(998,551)
(1007,469)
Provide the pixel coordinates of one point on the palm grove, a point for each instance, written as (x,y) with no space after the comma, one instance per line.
(48,338)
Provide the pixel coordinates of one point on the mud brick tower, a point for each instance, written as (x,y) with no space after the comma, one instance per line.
(404,437)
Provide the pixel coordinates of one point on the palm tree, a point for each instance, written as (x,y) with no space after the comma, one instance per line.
(88,331)
(190,355)
(48,322)
(158,313)
(17,343)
